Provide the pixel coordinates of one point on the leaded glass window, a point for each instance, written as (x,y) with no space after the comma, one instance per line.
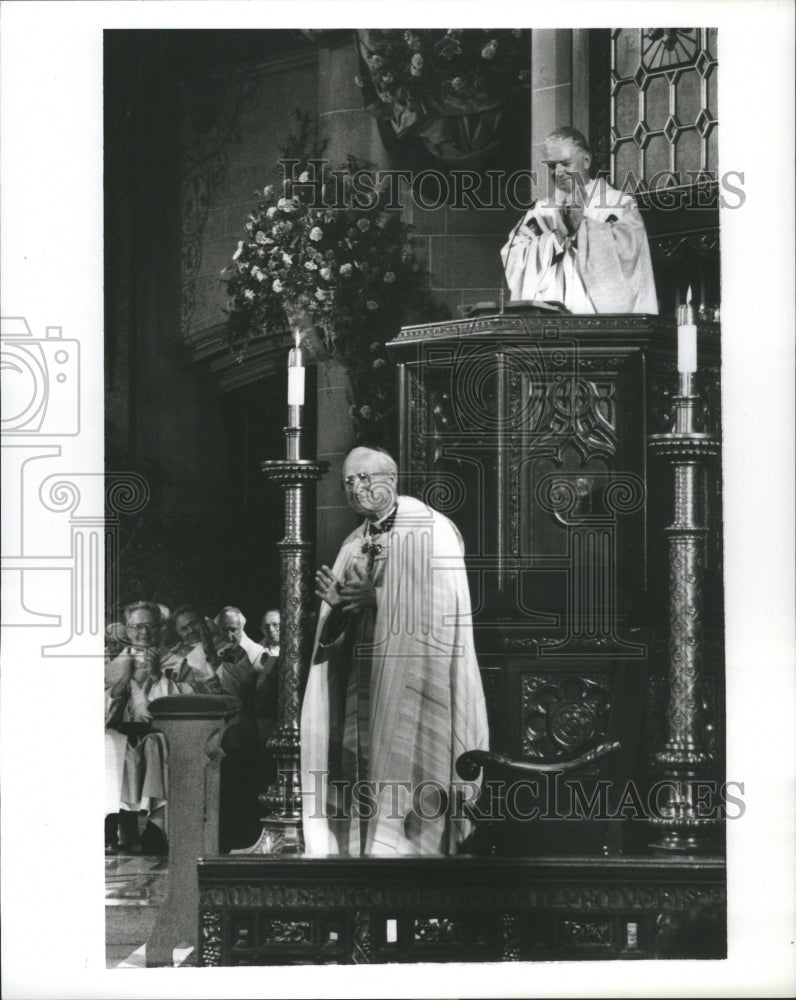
(664,121)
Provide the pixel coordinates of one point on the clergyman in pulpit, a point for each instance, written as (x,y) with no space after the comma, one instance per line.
(584,246)
(394,693)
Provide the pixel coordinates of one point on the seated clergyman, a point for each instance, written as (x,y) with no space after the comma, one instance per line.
(231,624)
(135,759)
(585,245)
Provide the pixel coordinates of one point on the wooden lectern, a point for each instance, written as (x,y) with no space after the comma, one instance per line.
(531,433)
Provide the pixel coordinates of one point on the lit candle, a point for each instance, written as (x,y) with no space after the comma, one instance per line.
(686,337)
(295,375)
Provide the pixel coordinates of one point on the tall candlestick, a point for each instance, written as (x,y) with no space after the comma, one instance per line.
(295,383)
(686,337)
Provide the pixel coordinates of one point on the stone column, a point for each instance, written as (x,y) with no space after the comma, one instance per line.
(552,79)
(349,130)
(193,726)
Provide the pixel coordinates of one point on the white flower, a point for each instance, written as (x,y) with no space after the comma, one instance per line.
(248,293)
(389,277)
(287,260)
(277,285)
(320,294)
(270,212)
(489,50)
(325,273)
(345,270)
(286,205)
(304,177)
(311,265)
(316,234)
(260,237)
(416,65)
(239,251)
(261,275)
(268,190)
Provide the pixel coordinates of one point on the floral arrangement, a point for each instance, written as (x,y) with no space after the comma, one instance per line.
(418,69)
(323,249)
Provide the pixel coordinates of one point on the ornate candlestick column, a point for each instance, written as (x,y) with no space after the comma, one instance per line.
(281,833)
(683,757)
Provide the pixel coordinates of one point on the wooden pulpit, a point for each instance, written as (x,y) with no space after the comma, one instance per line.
(531,433)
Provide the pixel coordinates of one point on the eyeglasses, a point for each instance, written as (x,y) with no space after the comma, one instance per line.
(141,627)
(362,478)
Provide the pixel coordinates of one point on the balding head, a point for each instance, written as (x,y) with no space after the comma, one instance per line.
(230,622)
(567,155)
(370,480)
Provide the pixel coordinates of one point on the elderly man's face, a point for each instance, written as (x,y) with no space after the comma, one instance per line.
(143,628)
(270,627)
(563,159)
(369,486)
(231,629)
(189,628)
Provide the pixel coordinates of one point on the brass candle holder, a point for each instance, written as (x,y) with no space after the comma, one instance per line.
(281,828)
(684,757)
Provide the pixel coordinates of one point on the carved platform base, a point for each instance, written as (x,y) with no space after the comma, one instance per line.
(299,911)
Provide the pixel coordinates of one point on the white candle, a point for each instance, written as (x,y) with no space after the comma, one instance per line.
(686,337)
(295,375)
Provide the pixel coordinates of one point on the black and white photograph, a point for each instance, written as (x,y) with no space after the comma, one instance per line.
(400,418)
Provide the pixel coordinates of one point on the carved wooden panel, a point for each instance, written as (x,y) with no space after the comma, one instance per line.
(564,714)
(408,910)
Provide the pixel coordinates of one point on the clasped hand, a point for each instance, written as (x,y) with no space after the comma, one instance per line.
(355,593)
(571,215)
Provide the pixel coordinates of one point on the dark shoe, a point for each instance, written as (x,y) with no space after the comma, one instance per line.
(153,840)
(111,833)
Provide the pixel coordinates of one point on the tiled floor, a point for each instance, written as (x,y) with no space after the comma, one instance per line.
(135,887)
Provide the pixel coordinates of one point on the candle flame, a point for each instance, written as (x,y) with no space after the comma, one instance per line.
(688,296)
(297,337)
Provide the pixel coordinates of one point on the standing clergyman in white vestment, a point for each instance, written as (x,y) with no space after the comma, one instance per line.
(394,694)
(585,246)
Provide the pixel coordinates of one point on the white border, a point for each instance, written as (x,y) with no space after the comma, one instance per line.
(53,933)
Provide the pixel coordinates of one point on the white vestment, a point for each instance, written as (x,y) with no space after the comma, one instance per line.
(424,703)
(252,649)
(604,268)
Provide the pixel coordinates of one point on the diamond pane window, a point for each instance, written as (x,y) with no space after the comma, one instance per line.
(711,46)
(664,90)
(626,106)
(656,98)
(627,159)
(688,153)
(713,152)
(688,97)
(658,157)
(712,101)
(626,47)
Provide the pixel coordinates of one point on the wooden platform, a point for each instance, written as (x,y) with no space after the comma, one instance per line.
(295,910)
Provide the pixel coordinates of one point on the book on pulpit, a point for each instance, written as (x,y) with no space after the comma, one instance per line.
(517,305)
